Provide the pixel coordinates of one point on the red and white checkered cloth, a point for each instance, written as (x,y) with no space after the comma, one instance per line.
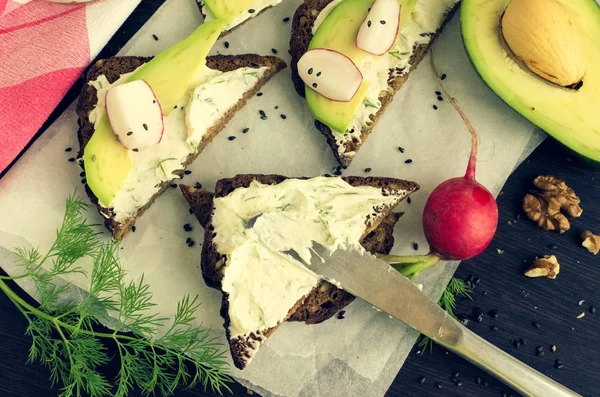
(44,47)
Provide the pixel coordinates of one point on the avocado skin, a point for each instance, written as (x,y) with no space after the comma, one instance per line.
(579,132)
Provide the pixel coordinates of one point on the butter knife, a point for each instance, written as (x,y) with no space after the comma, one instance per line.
(376,282)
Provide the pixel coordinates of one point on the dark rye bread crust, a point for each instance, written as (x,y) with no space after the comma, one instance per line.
(302,25)
(113,68)
(325,299)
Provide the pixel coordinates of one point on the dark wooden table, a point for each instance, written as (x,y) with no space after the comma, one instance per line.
(521,302)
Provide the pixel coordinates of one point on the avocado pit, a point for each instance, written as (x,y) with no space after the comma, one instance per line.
(542,37)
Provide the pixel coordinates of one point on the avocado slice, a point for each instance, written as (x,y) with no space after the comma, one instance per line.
(570,116)
(171,74)
(338,32)
(228,9)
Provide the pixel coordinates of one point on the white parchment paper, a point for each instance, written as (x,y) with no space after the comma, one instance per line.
(357,356)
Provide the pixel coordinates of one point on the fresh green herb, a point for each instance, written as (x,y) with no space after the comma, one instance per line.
(370,104)
(455,288)
(160,165)
(397,54)
(63,335)
(209,101)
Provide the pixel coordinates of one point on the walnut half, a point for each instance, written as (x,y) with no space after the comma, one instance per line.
(591,242)
(544,204)
(547,266)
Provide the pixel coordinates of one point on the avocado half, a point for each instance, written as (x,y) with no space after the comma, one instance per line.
(570,116)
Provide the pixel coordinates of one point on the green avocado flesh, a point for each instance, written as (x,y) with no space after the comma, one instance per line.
(171,74)
(228,9)
(570,116)
(338,32)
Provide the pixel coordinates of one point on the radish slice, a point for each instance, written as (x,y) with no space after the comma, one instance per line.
(378,32)
(134,114)
(330,73)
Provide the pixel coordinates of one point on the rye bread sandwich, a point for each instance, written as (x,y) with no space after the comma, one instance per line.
(250,219)
(341,25)
(124,181)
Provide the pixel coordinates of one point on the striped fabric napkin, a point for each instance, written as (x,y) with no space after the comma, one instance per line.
(44,47)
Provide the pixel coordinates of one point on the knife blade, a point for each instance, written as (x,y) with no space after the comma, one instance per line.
(376,282)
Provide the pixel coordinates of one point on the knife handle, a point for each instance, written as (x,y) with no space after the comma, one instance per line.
(506,368)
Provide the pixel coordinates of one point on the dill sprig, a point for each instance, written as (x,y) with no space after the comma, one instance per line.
(62,330)
(455,288)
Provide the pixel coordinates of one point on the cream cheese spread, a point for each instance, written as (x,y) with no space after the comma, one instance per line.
(257,7)
(425,19)
(263,283)
(185,126)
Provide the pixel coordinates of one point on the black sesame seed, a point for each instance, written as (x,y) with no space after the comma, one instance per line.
(82,174)
(191,211)
(181,176)
(382,22)
(83,181)
(262,113)
(175,107)
(340,315)
(435,107)
(401,149)
(135,149)
(438,93)
(133,229)
(273,50)
(415,246)
(68,149)
(408,200)
(314,85)
(226,44)
(536,325)
(263,117)
(191,243)
(493,313)
(276,107)
(198,185)
(310,71)
(155,37)
(439,386)
(173,185)
(187,227)
(259,94)
(369,23)
(283,116)
(421,379)
(593,309)
(408,161)
(319,74)
(187,240)
(439,98)
(187,172)
(71,160)
(231,138)
(443,76)
(154,101)
(286,19)
(182,108)
(130,133)
(553,246)
(367,169)
(252,11)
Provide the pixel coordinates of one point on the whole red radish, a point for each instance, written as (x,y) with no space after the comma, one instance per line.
(461,215)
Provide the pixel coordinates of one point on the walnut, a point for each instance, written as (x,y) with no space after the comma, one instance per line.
(591,242)
(544,204)
(547,266)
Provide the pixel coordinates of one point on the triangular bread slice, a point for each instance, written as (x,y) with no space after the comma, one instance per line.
(345,147)
(324,300)
(112,69)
